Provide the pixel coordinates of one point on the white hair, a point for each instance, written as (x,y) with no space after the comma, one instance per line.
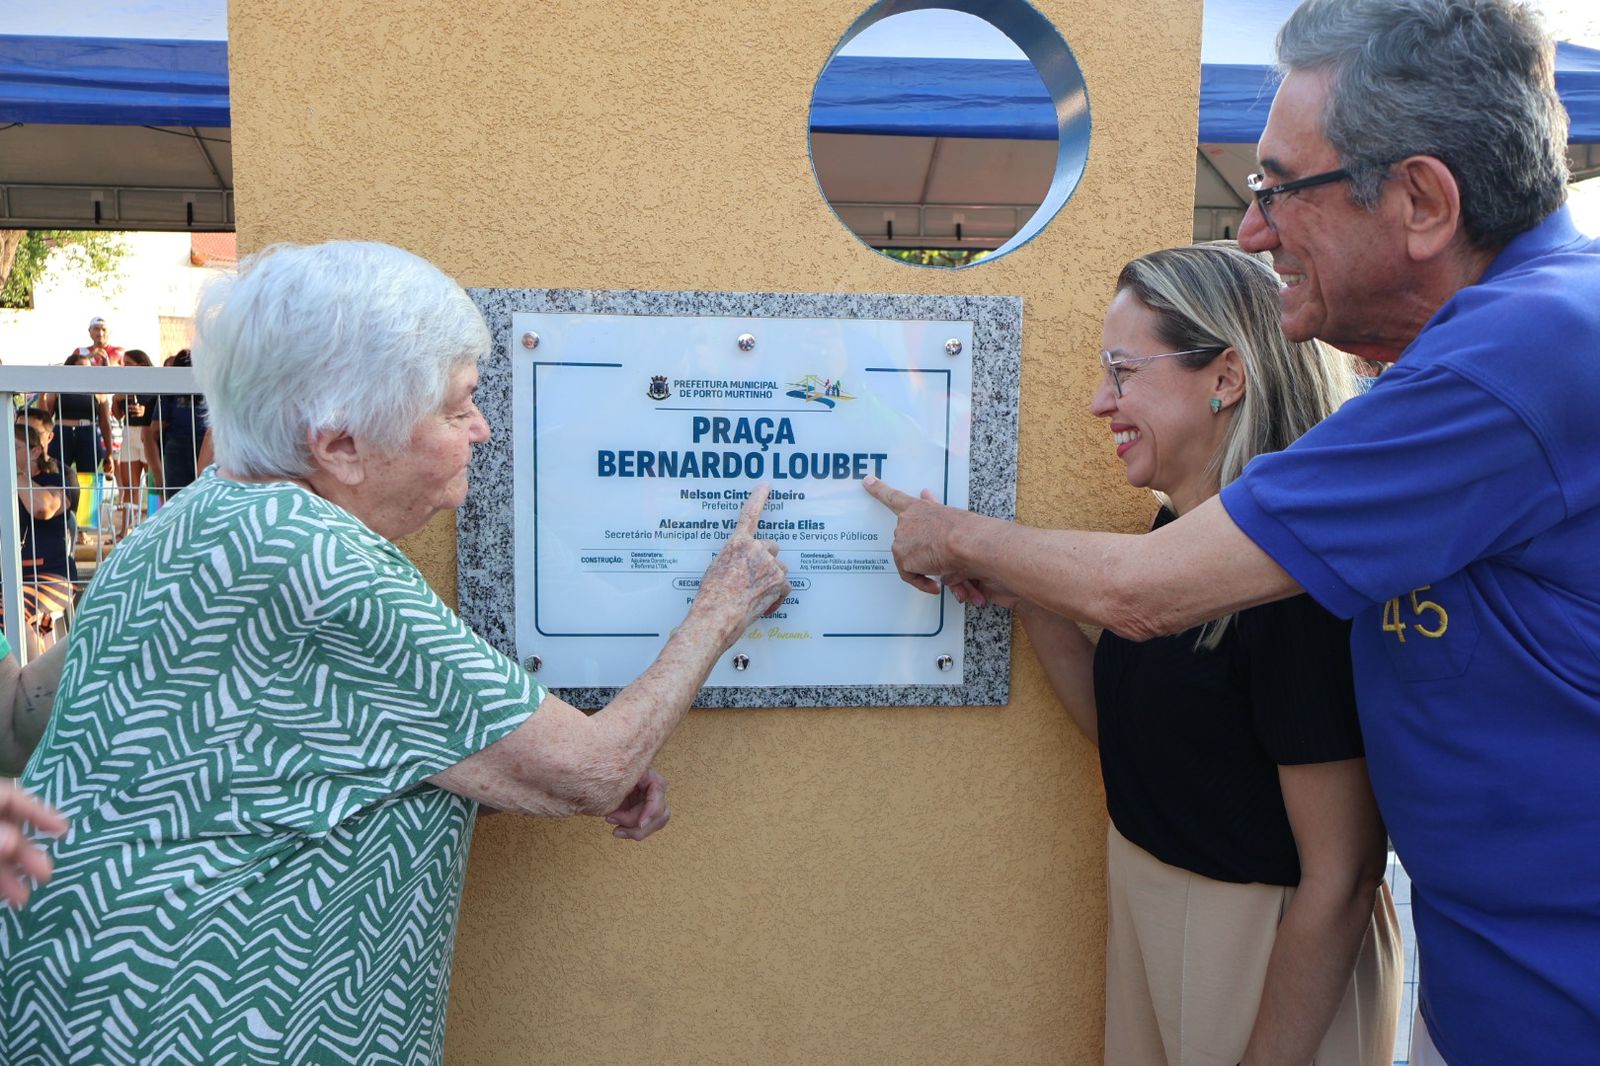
(349,336)
(1469,82)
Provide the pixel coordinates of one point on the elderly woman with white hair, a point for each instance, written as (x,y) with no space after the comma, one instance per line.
(271,736)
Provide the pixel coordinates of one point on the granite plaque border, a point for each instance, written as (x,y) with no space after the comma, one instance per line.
(484,533)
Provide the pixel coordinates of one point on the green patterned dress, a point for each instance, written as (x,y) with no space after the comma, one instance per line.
(257,687)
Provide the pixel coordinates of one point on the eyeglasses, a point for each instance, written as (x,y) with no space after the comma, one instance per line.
(1265,194)
(1114,366)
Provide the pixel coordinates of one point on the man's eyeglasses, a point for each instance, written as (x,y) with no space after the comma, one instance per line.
(1265,194)
(1115,367)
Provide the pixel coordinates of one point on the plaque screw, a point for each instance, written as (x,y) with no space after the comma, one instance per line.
(532,664)
(530,340)
(747,342)
(952,347)
(945,662)
(741,662)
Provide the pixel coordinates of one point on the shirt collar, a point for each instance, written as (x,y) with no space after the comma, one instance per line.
(1554,232)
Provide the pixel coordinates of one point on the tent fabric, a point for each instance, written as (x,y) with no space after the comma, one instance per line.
(1005,98)
(1235,97)
(1578,83)
(1234,101)
(124,81)
(113,81)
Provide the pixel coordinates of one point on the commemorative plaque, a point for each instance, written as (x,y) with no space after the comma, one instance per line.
(636,432)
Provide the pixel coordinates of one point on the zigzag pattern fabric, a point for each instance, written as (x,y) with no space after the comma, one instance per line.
(256,690)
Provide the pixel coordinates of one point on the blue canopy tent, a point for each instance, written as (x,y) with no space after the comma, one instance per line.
(1004,98)
(108,81)
(894,135)
(129,130)
(1235,98)
(119,132)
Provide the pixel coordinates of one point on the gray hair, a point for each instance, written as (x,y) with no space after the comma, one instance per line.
(1469,82)
(348,336)
(1215,296)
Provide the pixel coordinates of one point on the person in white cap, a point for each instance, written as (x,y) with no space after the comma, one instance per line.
(84,419)
(99,352)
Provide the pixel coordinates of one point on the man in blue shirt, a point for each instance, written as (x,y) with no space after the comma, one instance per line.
(1413,173)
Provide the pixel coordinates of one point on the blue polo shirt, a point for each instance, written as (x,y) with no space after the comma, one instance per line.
(1453,512)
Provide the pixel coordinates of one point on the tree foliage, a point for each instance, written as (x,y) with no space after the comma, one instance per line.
(25,257)
(941,257)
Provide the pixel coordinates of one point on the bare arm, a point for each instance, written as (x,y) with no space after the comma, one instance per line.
(1139,585)
(1340,837)
(1068,660)
(152,452)
(562,762)
(102,411)
(26,695)
(1065,653)
(42,503)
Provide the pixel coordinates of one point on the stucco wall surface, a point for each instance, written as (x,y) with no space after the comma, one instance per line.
(837,886)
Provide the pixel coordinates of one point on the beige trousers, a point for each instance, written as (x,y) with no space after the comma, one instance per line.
(1186,959)
(1423,1053)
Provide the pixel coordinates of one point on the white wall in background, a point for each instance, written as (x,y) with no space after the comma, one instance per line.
(1584,197)
(154,280)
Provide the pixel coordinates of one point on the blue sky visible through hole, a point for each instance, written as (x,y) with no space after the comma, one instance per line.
(934,34)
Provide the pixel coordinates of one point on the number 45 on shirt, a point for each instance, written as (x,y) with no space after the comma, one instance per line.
(1394,623)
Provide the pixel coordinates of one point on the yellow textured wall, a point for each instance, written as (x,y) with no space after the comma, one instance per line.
(837,886)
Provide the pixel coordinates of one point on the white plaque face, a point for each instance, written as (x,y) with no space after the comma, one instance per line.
(638,439)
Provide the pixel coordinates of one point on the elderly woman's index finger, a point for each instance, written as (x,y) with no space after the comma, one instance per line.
(750,513)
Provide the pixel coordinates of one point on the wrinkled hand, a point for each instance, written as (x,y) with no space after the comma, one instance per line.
(921,536)
(21,858)
(644,810)
(745,580)
(984,592)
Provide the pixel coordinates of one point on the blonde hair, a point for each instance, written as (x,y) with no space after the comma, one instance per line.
(1215,296)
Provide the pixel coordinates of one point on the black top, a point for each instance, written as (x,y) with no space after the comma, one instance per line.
(149,403)
(77,407)
(1191,740)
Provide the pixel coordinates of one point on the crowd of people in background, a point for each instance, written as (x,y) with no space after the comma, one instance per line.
(90,467)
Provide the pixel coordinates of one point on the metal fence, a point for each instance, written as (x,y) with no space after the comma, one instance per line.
(114,443)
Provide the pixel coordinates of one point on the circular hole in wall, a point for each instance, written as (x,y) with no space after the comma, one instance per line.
(946,133)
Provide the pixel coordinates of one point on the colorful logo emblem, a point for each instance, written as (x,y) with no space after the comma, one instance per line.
(658,389)
(812,389)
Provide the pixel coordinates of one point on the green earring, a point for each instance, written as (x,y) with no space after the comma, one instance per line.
(1216,405)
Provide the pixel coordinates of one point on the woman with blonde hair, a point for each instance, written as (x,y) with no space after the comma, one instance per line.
(1249,920)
